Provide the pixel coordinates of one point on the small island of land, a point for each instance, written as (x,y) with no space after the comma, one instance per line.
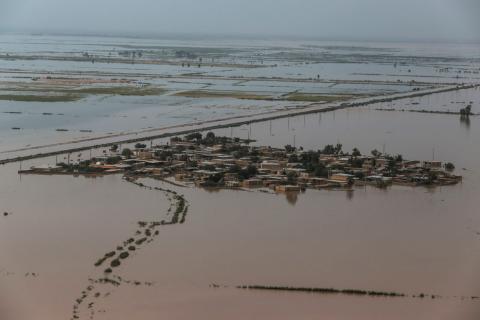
(220,162)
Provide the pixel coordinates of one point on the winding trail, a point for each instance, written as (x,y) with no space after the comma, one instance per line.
(105,277)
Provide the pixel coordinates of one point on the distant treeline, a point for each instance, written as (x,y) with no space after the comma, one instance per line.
(327,291)
(351,292)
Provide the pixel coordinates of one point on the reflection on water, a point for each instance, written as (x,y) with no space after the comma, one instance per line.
(350,194)
(292,197)
(465,120)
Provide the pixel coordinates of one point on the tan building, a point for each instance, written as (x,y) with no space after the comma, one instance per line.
(341,177)
(144,155)
(272,165)
(432,164)
(252,183)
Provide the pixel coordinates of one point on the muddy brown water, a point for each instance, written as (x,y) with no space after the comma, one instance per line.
(409,240)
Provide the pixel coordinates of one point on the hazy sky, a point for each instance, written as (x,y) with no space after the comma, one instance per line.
(352,19)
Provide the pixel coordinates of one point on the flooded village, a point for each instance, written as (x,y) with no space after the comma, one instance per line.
(221,162)
(229,178)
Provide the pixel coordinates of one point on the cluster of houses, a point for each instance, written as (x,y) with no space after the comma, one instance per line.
(232,163)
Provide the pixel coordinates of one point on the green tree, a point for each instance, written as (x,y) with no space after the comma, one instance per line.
(338,148)
(449,166)
(289,148)
(127,153)
(356,152)
(328,149)
(293,158)
(194,136)
(376,153)
(291,177)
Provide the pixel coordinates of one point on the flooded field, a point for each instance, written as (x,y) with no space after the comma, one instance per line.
(63,89)
(409,240)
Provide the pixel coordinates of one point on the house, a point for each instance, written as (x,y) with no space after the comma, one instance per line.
(341,177)
(432,164)
(272,165)
(144,155)
(318,182)
(252,183)
(232,184)
(46,169)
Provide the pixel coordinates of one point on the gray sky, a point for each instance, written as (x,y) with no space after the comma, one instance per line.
(351,19)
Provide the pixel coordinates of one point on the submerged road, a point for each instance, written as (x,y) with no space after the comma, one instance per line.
(235,121)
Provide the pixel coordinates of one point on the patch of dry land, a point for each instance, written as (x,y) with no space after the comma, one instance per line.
(294,97)
(223,94)
(67,91)
(312,97)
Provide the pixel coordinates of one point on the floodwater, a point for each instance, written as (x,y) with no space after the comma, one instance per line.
(403,239)
(272,68)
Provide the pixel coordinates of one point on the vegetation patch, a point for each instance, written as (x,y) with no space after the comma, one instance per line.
(40,98)
(312,97)
(121,91)
(55,94)
(222,94)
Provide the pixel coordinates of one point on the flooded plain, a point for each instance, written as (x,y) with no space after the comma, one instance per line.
(402,239)
(62,88)
(410,240)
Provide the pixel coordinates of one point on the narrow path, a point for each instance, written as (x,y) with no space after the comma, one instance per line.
(106,278)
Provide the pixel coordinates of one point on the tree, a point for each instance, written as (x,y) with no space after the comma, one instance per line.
(321,171)
(356,152)
(127,153)
(113,160)
(163,155)
(449,166)
(210,136)
(376,153)
(328,149)
(293,158)
(289,148)
(248,172)
(392,166)
(338,148)
(356,163)
(291,177)
(194,136)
